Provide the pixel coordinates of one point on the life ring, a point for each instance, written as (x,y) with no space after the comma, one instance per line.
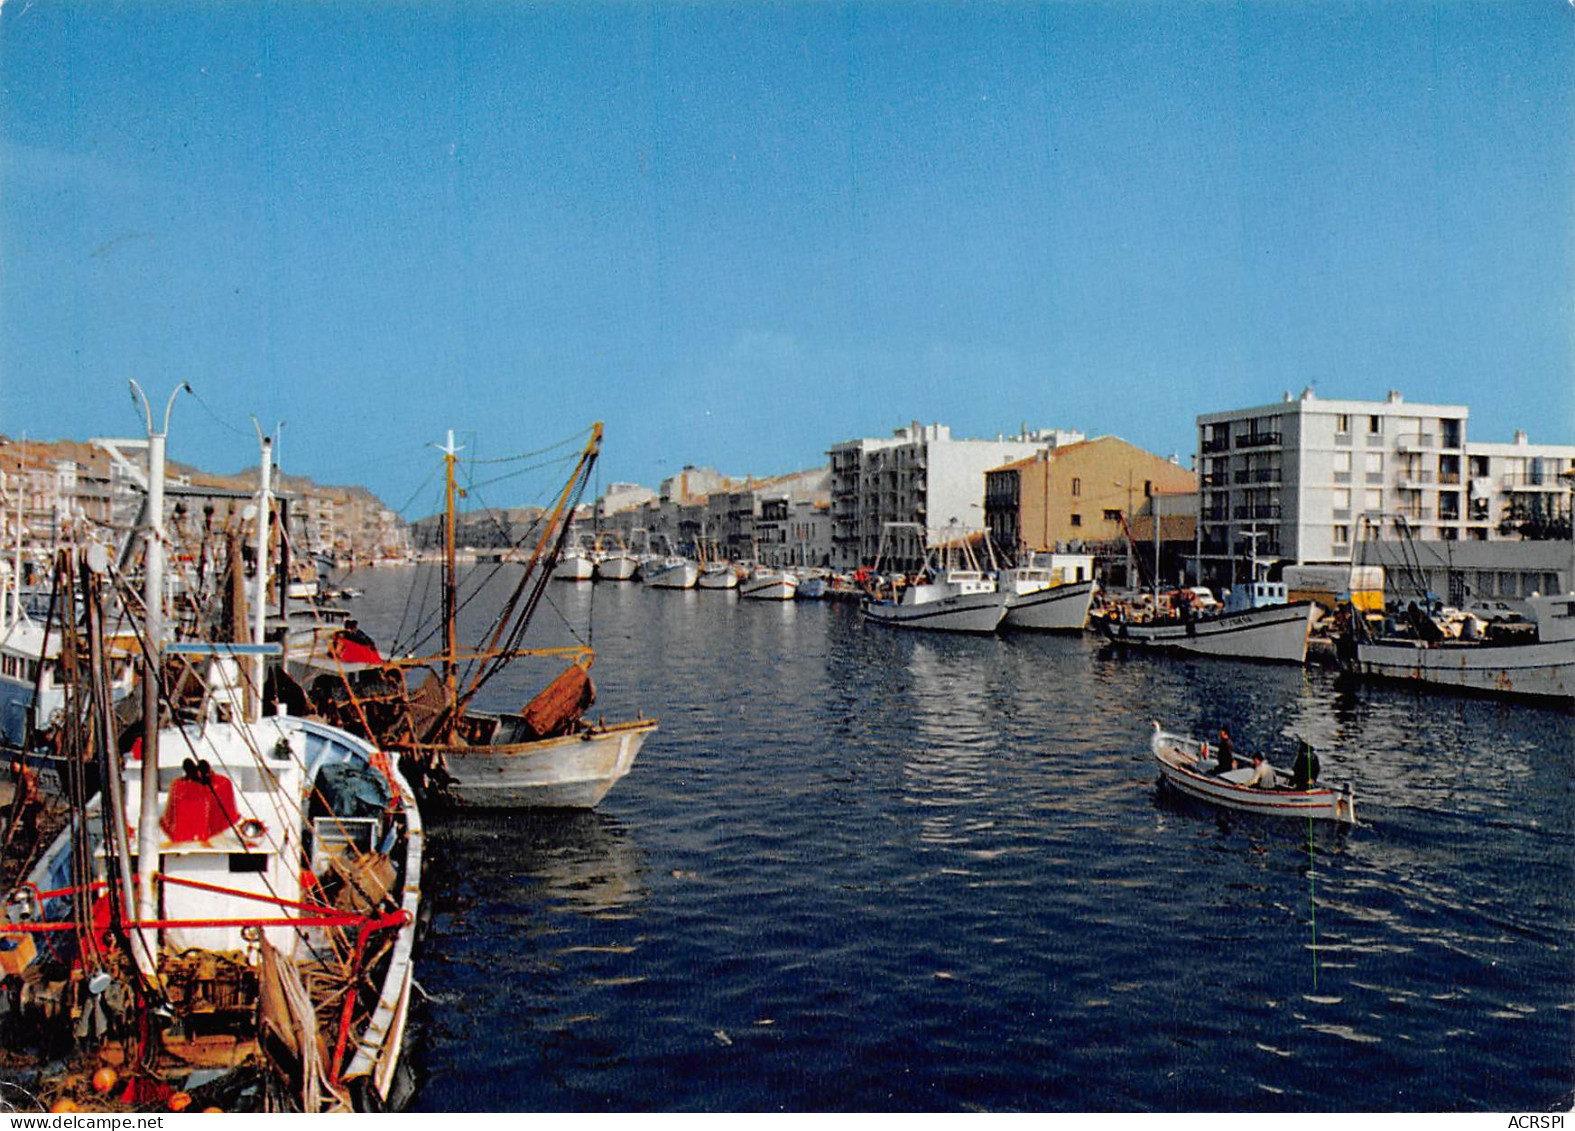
(252,829)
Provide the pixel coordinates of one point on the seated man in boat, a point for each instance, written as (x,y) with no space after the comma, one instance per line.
(1262,773)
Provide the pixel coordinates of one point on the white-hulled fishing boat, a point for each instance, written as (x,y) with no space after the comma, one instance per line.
(1050,593)
(575,564)
(543,756)
(234,913)
(614,562)
(1186,764)
(1274,632)
(717,575)
(290,879)
(765,583)
(1543,667)
(671,572)
(952,596)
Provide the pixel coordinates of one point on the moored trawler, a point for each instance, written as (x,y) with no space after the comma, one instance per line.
(1542,668)
(1276,633)
(951,595)
(766,583)
(1048,593)
(543,756)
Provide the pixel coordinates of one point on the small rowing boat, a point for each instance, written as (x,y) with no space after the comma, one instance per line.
(1186,764)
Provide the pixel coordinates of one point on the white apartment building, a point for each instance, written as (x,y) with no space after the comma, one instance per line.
(1300,474)
(920,474)
(1518,482)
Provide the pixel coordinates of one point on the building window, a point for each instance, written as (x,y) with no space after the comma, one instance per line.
(1112,516)
(1375,425)
(1077,519)
(1148,488)
(1077,489)
(1342,535)
(1342,423)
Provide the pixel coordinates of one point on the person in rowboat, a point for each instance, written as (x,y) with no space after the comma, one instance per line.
(1226,755)
(1262,773)
(1305,769)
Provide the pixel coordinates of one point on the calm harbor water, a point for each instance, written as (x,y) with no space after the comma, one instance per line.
(863,869)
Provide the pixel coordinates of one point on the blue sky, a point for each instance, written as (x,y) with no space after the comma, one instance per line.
(739,233)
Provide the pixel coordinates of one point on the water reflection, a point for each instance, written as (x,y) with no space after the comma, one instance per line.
(571,861)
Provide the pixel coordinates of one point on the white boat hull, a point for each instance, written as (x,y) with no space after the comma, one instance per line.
(1060,608)
(772,587)
(617,568)
(1276,633)
(718,579)
(1545,669)
(963,612)
(681,575)
(572,772)
(1183,765)
(575,568)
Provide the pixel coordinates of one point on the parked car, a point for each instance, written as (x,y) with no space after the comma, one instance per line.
(1493,611)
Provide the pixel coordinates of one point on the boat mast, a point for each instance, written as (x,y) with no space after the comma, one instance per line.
(260,614)
(153,613)
(450,588)
(1153,513)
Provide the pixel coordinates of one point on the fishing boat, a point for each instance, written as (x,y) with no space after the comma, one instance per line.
(951,595)
(717,575)
(1186,763)
(575,564)
(1276,633)
(281,944)
(671,571)
(1542,666)
(614,562)
(1424,648)
(230,922)
(767,583)
(543,756)
(1048,592)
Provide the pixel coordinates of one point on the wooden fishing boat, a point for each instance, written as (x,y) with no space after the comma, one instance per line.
(281,947)
(1276,633)
(766,583)
(1048,592)
(1186,764)
(953,595)
(546,755)
(230,922)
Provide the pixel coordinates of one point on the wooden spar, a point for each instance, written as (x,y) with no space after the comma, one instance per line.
(581,471)
(450,587)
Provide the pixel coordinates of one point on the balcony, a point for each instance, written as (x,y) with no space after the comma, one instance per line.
(1417,442)
(1222,444)
(1259,440)
(1258,512)
(1532,481)
(1449,478)
(1413,477)
(1215,514)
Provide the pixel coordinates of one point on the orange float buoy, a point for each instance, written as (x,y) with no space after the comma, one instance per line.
(180,1101)
(104,1079)
(61,1107)
(213,1111)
